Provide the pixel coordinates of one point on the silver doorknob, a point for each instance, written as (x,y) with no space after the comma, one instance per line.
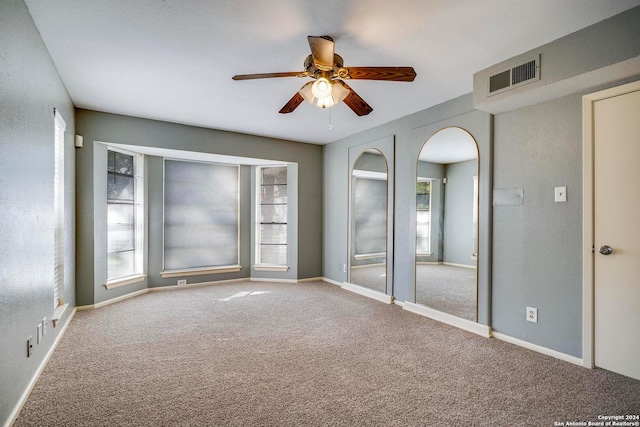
(605,250)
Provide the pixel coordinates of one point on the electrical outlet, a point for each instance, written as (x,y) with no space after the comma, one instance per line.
(182,282)
(44,326)
(38,333)
(344,268)
(29,346)
(532,314)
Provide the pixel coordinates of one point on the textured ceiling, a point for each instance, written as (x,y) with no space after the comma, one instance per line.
(173,60)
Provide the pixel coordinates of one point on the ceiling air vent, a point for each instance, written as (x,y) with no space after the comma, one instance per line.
(515,76)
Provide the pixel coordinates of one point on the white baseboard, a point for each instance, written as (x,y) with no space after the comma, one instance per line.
(112,300)
(355,267)
(272,280)
(538,348)
(458,322)
(25,395)
(398,302)
(378,296)
(451,264)
(195,285)
(333,282)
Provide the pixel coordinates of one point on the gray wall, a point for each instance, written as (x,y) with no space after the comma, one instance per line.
(111,128)
(599,54)
(409,134)
(458,213)
(537,247)
(29,91)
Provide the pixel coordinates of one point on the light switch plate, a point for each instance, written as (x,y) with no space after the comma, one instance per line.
(561,194)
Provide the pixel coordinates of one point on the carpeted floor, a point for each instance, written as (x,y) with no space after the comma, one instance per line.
(447,288)
(370,276)
(272,354)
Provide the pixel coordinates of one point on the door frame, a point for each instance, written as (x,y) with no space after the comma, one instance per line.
(588,279)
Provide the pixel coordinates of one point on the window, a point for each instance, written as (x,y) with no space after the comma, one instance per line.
(58,210)
(124,214)
(272,216)
(475,218)
(370,216)
(201,217)
(423,211)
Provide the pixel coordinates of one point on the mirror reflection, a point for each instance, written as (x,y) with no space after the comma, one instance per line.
(368,252)
(447,223)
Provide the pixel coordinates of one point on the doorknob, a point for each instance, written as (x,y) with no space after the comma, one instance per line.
(605,250)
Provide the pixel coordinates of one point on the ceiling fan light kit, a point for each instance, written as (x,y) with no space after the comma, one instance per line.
(326,67)
(331,95)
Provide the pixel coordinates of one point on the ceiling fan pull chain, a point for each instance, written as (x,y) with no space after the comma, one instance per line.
(330,125)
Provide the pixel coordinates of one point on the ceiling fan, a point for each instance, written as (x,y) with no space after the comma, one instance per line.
(327,68)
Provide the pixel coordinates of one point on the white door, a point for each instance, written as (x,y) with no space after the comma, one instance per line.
(616,143)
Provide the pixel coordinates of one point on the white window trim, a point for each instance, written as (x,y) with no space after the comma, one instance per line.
(371,255)
(130,280)
(58,312)
(138,202)
(359,173)
(167,274)
(271,267)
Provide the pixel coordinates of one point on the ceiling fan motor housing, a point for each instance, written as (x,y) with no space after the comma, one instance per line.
(337,70)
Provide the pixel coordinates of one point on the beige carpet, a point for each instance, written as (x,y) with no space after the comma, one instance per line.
(271,354)
(447,288)
(370,276)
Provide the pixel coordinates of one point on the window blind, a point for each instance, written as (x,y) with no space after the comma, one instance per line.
(200,215)
(58,209)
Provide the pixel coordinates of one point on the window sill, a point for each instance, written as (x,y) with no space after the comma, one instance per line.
(270,267)
(116,283)
(57,313)
(200,271)
(424,253)
(370,256)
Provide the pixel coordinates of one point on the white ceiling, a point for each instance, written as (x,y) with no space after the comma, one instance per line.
(449,145)
(173,60)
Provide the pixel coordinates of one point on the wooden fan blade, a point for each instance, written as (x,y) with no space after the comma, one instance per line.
(292,104)
(322,51)
(264,75)
(353,101)
(395,74)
